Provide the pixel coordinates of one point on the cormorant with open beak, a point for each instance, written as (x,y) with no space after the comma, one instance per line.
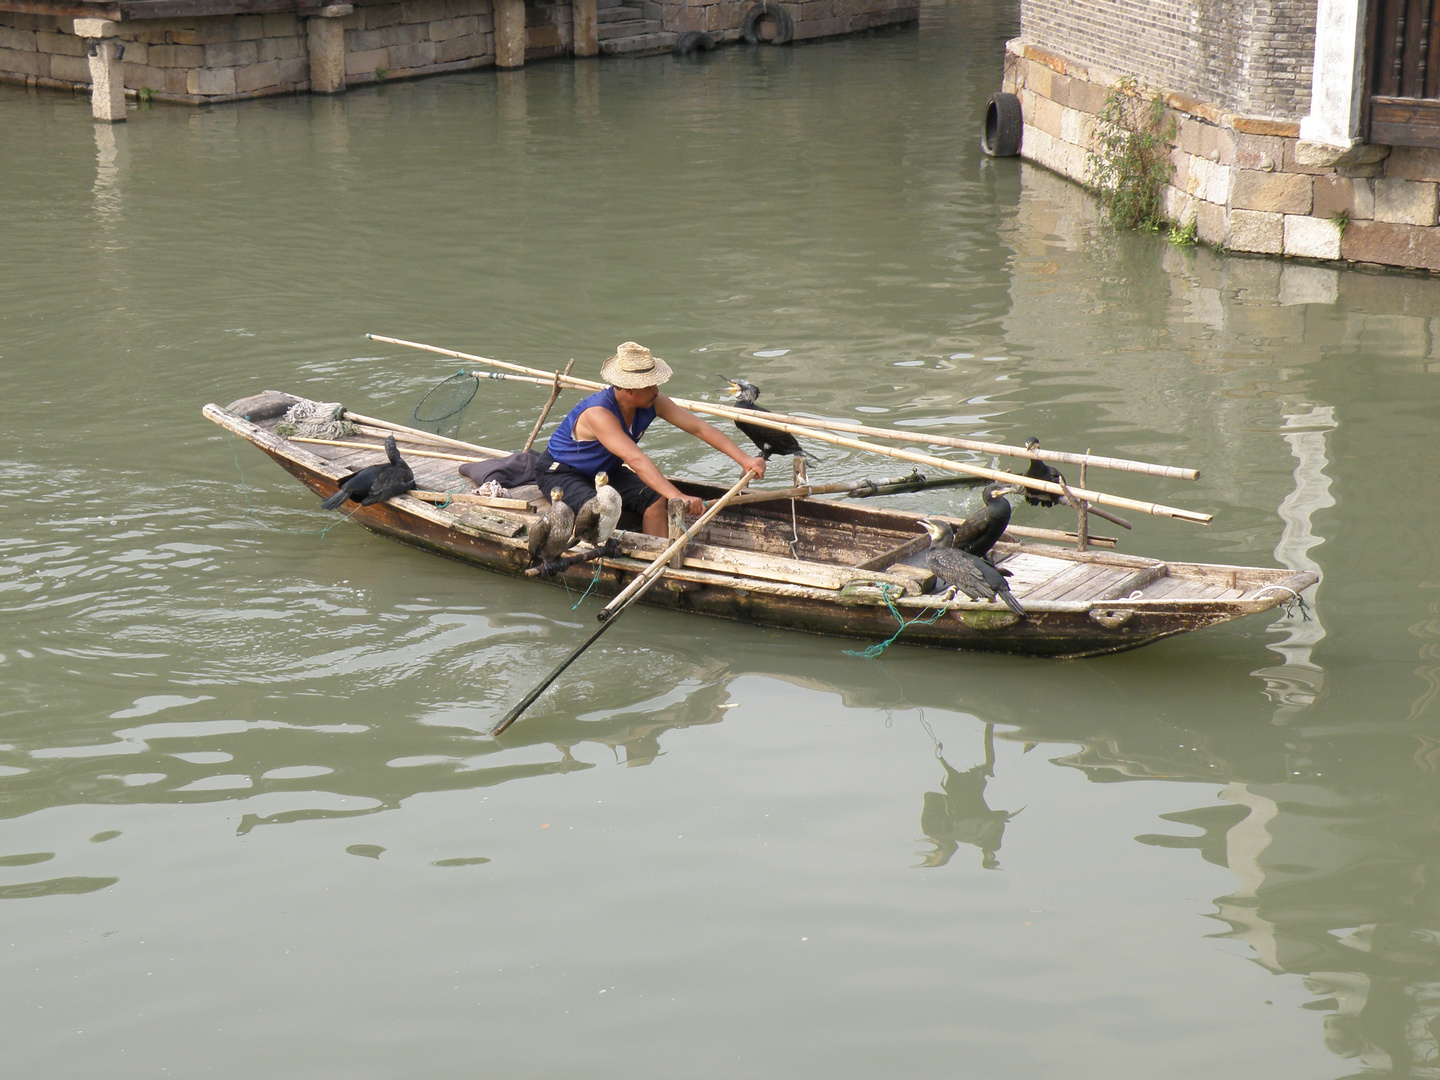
(768,440)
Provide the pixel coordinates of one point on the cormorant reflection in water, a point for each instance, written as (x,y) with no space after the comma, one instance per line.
(958,814)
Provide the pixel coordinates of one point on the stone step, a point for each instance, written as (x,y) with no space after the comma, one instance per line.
(629,28)
(618,13)
(662,41)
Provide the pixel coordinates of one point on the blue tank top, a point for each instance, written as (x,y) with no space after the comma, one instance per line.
(591,456)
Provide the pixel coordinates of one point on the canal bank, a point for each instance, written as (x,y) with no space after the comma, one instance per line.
(208,51)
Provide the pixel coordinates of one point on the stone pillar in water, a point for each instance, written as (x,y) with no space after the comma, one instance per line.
(586,27)
(107,77)
(509,33)
(325,37)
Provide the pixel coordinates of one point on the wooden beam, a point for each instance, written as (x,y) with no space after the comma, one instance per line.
(134,10)
(61,10)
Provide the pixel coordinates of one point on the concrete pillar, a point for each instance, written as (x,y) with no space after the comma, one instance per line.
(325,38)
(107,76)
(509,33)
(586,27)
(1335,85)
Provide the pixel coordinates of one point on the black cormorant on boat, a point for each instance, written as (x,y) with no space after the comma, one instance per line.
(596,519)
(1040,471)
(550,535)
(375,483)
(977,533)
(767,440)
(970,574)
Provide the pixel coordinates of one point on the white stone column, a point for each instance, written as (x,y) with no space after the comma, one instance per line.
(509,33)
(586,27)
(107,76)
(325,38)
(1335,85)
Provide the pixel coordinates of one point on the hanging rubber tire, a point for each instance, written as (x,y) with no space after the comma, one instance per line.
(1000,134)
(767,23)
(693,41)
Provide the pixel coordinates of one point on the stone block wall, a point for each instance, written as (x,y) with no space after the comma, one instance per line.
(1248,56)
(1248,183)
(232,57)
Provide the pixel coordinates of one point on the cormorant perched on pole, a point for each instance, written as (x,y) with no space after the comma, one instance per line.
(550,536)
(1040,471)
(977,533)
(375,483)
(961,570)
(596,519)
(768,440)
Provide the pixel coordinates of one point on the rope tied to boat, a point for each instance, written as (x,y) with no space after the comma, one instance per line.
(594,580)
(1290,606)
(871,652)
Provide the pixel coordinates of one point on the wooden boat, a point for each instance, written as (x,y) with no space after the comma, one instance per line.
(853,570)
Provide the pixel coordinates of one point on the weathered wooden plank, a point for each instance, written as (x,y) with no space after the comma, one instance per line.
(1057,584)
(1137,580)
(899,553)
(1103,581)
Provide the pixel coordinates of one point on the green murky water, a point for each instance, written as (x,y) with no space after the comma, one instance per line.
(250,825)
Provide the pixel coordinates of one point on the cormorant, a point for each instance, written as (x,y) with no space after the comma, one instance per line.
(767,440)
(969,573)
(375,483)
(596,519)
(977,533)
(1040,471)
(551,534)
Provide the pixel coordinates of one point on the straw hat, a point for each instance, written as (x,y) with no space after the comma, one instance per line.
(634,368)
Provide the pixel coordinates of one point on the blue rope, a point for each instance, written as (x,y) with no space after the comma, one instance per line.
(599,565)
(875,650)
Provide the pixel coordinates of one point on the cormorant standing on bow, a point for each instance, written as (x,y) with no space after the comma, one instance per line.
(375,483)
(1040,471)
(550,536)
(977,533)
(961,570)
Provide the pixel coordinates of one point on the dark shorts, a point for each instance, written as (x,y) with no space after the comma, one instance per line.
(636,496)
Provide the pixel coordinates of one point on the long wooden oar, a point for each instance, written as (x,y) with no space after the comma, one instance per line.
(611,612)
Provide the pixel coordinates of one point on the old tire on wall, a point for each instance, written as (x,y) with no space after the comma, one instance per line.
(693,41)
(1000,133)
(767,23)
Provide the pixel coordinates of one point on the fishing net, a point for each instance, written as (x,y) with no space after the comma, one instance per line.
(314,420)
(443,406)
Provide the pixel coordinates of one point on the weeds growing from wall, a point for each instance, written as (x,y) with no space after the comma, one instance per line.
(1130,164)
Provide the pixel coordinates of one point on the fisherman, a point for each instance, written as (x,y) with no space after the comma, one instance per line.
(601,432)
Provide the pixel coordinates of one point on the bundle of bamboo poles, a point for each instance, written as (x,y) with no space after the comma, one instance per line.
(839,434)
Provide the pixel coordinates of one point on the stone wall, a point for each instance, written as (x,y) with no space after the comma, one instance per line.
(813,18)
(1248,183)
(231,57)
(1248,56)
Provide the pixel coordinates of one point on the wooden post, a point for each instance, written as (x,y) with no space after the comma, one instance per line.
(107,75)
(509,33)
(554,393)
(1082,510)
(585,27)
(675,522)
(325,39)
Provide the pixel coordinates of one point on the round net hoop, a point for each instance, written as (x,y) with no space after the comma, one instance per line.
(441,408)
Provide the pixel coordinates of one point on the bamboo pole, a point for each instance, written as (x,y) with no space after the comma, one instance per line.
(371,446)
(610,613)
(424,436)
(554,393)
(492,501)
(1174,472)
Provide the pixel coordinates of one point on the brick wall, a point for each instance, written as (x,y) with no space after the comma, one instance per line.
(1249,56)
(812,18)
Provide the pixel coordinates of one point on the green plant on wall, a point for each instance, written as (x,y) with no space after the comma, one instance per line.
(1130,163)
